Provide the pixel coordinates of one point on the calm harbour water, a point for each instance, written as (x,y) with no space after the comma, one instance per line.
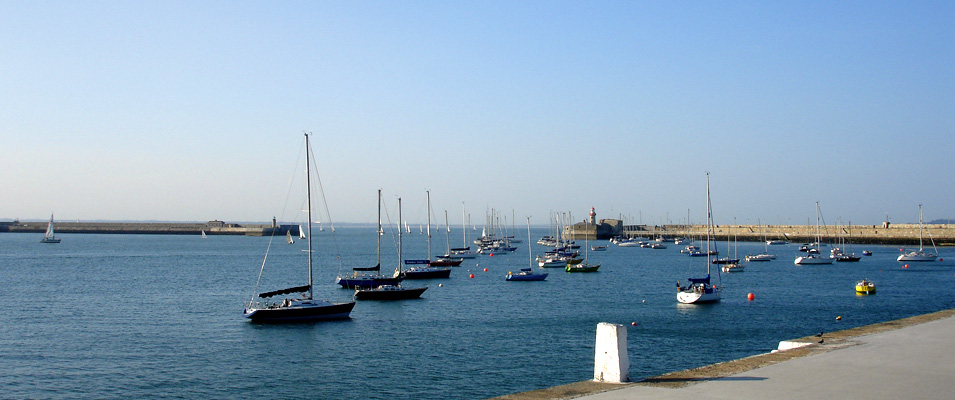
(135,316)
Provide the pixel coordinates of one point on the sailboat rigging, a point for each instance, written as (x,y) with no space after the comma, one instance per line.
(918,255)
(359,277)
(391,291)
(701,290)
(426,269)
(304,308)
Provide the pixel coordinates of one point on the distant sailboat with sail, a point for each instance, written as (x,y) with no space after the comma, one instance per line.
(49,237)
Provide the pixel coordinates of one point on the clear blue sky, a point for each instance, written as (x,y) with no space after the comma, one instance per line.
(190,111)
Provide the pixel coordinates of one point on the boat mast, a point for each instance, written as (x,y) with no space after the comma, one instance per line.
(379,232)
(429,224)
(308,197)
(398,272)
(530,259)
(920,228)
(447,234)
(709,223)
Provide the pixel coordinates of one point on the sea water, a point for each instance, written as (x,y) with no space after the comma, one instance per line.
(152,316)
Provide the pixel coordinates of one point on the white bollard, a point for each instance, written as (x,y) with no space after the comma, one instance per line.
(611,363)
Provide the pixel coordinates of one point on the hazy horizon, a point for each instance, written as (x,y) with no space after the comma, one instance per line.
(185,111)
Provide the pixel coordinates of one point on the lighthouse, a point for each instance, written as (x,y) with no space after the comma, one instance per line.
(593,216)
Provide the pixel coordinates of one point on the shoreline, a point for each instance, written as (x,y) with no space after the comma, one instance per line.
(679,379)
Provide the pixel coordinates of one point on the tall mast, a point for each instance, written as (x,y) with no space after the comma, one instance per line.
(709,222)
(399,237)
(308,197)
(448,232)
(920,228)
(379,231)
(429,224)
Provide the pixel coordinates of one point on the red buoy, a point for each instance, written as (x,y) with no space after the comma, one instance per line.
(485,269)
(750,297)
(471,276)
(633,324)
(492,254)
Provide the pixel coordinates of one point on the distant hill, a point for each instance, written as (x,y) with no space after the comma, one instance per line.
(941,221)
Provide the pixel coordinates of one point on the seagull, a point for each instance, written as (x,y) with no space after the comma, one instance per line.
(819,334)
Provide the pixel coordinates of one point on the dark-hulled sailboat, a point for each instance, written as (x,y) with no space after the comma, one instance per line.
(262,308)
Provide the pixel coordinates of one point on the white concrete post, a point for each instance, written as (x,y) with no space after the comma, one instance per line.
(611,362)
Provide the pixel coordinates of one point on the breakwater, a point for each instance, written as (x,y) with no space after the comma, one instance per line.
(153,228)
(903,234)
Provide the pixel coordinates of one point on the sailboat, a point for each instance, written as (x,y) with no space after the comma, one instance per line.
(764,256)
(425,269)
(359,277)
(812,257)
(288,237)
(48,237)
(701,290)
(527,274)
(305,307)
(301,232)
(445,261)
(461,252)
(584,266)
(391,291)
(203,233)
(919,255)
(734,266)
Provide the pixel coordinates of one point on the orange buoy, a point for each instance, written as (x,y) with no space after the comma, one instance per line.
(485,269)
(471,276)
(906,266)
(750,297)
(839,318)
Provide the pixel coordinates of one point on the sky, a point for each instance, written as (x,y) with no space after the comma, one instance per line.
(193,111)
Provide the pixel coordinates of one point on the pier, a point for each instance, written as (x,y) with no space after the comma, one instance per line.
(906,358)
(153,228)
(902,234)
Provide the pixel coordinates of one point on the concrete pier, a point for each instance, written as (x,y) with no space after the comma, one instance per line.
(152,228)
(902,234)
(906,358)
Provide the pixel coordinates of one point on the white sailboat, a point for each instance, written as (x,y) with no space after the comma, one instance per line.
(813,257)
(918,255)
(701,290)
(288,237)
(49,237)
(301,232)
(764,256)
(305,307)
(203,233)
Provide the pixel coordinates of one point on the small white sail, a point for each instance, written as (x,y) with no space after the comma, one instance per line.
(203,232)
(301,232)
(288,237)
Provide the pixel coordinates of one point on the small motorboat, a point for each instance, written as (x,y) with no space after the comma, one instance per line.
(865,287)
(866,253)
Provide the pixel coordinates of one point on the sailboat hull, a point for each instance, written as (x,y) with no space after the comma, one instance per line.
(916,256)
(698,297)
(389,293)
(49,240)
(427,273)
(314,311)
(366,281)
